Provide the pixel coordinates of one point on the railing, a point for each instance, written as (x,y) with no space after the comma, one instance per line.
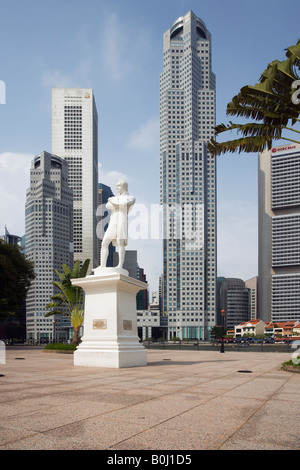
(198,345)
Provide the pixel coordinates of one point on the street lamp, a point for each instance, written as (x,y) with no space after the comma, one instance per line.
(223,314)
(53,333)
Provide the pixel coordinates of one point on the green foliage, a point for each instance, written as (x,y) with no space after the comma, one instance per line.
(291,364)
(269,103)
(217,332)
(16,275)
(69,300)
(61,346)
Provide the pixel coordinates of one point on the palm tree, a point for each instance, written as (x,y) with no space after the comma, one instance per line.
(69,301)
(269,103)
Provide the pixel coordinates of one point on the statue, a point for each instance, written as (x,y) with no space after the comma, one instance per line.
(117,230)
(110,321)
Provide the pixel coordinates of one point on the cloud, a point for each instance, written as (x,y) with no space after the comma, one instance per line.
(146,137)
(14,181)
(79,78)
(56,79)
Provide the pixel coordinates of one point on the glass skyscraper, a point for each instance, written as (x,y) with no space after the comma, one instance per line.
(75,138)
(188,179)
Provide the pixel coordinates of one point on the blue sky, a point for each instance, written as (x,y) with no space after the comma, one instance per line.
(115,47)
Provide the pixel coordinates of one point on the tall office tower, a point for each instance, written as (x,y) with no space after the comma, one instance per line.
(9,238)
(279,234)
(48,242)
(187,178)
(75,138)
(136,272)
(252,286)
(235,300)
(104,192)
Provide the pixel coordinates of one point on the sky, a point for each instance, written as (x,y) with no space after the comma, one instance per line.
(115,47)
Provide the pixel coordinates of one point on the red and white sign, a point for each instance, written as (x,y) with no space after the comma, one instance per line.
(282,149)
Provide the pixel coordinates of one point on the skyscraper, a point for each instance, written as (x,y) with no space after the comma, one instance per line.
(188,178)
(251,284)
(48,241)
(75,138)
(235,300)
(279,234)
(9,238)
(104,192)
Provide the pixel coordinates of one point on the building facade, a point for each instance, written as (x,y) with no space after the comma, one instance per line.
(252,327)
(188,179)
(148,322)
(48,242)
(104,193)
(136,272)
(251,284)
(235,300)
(9,238)
(279,234)
(75,138)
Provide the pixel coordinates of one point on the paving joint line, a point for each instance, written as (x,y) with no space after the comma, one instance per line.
(124,407)
(254,412)
(190,409)
(153,398)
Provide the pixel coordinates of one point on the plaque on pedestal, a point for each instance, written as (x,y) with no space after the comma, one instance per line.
(110,321)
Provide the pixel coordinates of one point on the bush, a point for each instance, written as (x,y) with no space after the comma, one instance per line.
(290,365)
(61,346)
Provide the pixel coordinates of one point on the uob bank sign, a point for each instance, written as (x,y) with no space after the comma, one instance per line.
(2,92)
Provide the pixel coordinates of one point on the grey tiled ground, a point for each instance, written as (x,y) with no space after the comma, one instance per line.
(182,400)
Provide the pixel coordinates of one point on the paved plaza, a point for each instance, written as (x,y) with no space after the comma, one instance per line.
(182,400)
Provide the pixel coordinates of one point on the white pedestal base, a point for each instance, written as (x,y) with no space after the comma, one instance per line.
(110,321)
(114,358)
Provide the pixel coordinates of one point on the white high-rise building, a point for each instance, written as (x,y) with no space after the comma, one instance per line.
(48,243)
(188,178)
(75,138)
(279,234)
(251,284)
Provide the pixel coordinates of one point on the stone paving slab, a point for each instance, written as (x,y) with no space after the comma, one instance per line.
(182,400)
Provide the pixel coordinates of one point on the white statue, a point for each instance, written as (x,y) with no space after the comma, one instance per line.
(117,230)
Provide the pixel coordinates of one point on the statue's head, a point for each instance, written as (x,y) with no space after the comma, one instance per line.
(122,186)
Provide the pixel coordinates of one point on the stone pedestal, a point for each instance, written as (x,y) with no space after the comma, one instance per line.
(110,320)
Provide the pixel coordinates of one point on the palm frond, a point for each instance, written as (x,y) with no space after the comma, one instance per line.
(54,312)
(84,268)
(60,275)
(67,270)
(268,103)
(244,144)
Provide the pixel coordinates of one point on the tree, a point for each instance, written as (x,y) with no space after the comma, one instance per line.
(69,300)
(217,332)
(270,103)
(16,274)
